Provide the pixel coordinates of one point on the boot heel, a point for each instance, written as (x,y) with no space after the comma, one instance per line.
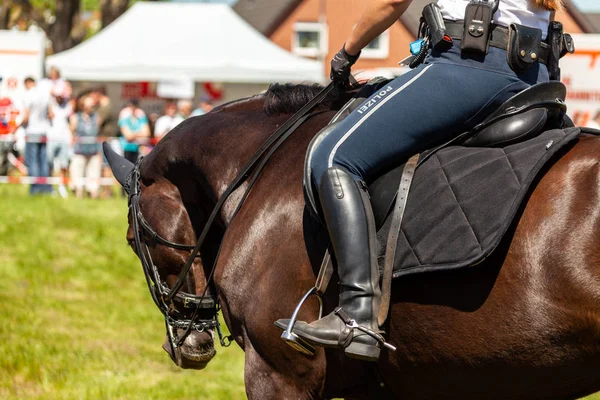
(363,351)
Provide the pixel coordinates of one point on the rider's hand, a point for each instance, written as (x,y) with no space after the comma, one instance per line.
(340,66)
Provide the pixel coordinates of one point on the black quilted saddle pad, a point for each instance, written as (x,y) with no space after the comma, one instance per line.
(464,199)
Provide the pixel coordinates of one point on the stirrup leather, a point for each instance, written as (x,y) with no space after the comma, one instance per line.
(347,334)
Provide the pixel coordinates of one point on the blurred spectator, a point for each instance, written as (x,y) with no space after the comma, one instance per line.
(152,118)
(86,163)
(185,108)
(204,106)
(59,139)
(594,123)
(134,126)
(168,121)
(109,127)
(55,84)
(36,121)
(8,126)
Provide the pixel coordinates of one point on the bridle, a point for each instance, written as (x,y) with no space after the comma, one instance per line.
(181,310)
(184,310)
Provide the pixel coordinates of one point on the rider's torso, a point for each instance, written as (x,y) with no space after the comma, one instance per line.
(510,11)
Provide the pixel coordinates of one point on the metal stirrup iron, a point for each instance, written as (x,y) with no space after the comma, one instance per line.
(351,324)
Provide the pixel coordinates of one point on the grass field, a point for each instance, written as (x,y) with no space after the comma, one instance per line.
(77,319)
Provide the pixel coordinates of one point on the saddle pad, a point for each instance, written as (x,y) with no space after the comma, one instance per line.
(464,199)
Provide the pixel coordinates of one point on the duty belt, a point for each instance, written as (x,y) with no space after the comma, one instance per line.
(499,38)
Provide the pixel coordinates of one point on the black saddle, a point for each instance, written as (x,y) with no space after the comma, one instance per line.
(522,117)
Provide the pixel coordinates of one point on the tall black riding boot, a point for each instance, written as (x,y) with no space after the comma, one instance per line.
(349,217)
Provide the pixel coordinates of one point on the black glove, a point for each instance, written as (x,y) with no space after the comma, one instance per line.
(340,66)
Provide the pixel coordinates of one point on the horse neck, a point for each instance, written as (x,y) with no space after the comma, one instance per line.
(233,142)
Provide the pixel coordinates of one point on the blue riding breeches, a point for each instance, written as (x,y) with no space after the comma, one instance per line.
(447,95)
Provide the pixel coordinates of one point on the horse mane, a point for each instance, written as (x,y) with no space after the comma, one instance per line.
(289,98)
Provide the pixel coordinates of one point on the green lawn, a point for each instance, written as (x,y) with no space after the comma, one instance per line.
(77,319)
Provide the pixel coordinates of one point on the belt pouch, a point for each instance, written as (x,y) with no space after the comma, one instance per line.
(476,34)
(524,45)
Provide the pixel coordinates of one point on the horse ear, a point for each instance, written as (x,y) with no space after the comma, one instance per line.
(120,167)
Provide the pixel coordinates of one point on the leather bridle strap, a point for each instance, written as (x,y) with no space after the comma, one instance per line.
(276,137)
(159,239)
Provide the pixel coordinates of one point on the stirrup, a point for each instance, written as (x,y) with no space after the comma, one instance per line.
(295,341)
(302,346)
(351,324)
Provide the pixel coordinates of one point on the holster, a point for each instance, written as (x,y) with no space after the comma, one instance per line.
(560,45)
(433,19)
(524,47)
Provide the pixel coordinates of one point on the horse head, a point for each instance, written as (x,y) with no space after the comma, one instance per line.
(160,206)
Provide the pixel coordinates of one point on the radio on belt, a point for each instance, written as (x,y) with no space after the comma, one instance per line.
(478,20)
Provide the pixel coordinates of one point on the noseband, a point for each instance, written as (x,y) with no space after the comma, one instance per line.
(184,310)
(180,310)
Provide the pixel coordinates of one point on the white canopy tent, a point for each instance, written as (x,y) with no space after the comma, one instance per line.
(182,41)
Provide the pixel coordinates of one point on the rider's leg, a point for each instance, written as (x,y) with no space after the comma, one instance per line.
(349,217)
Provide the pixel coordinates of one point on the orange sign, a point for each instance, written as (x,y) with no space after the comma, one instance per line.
(592,53)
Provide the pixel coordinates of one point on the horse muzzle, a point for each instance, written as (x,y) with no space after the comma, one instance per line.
(196,351)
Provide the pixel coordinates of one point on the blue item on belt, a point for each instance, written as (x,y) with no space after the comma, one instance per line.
(416,46)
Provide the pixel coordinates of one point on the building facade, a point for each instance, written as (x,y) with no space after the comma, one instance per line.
(318,28)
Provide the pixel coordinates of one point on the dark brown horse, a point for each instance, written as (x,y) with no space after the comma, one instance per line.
(524,324)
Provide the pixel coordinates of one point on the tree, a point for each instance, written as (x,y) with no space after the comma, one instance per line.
(66,30)
(60,19)
(111,10)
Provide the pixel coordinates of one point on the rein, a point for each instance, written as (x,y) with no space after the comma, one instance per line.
(282,133)
(165,298)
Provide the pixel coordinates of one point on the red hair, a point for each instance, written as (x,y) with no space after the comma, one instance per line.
(550,5)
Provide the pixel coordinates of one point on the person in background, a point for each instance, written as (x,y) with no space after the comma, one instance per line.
(103,106)
(55,84)
(167,121)
(152,118)
(8,126)
(184,107)
(594,123)
(37,113)
(204,106)
(60,138)
(86,163)
(108,129)
(133,124)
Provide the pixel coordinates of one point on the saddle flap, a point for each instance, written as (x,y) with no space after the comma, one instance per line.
(512,129)
(463,201)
